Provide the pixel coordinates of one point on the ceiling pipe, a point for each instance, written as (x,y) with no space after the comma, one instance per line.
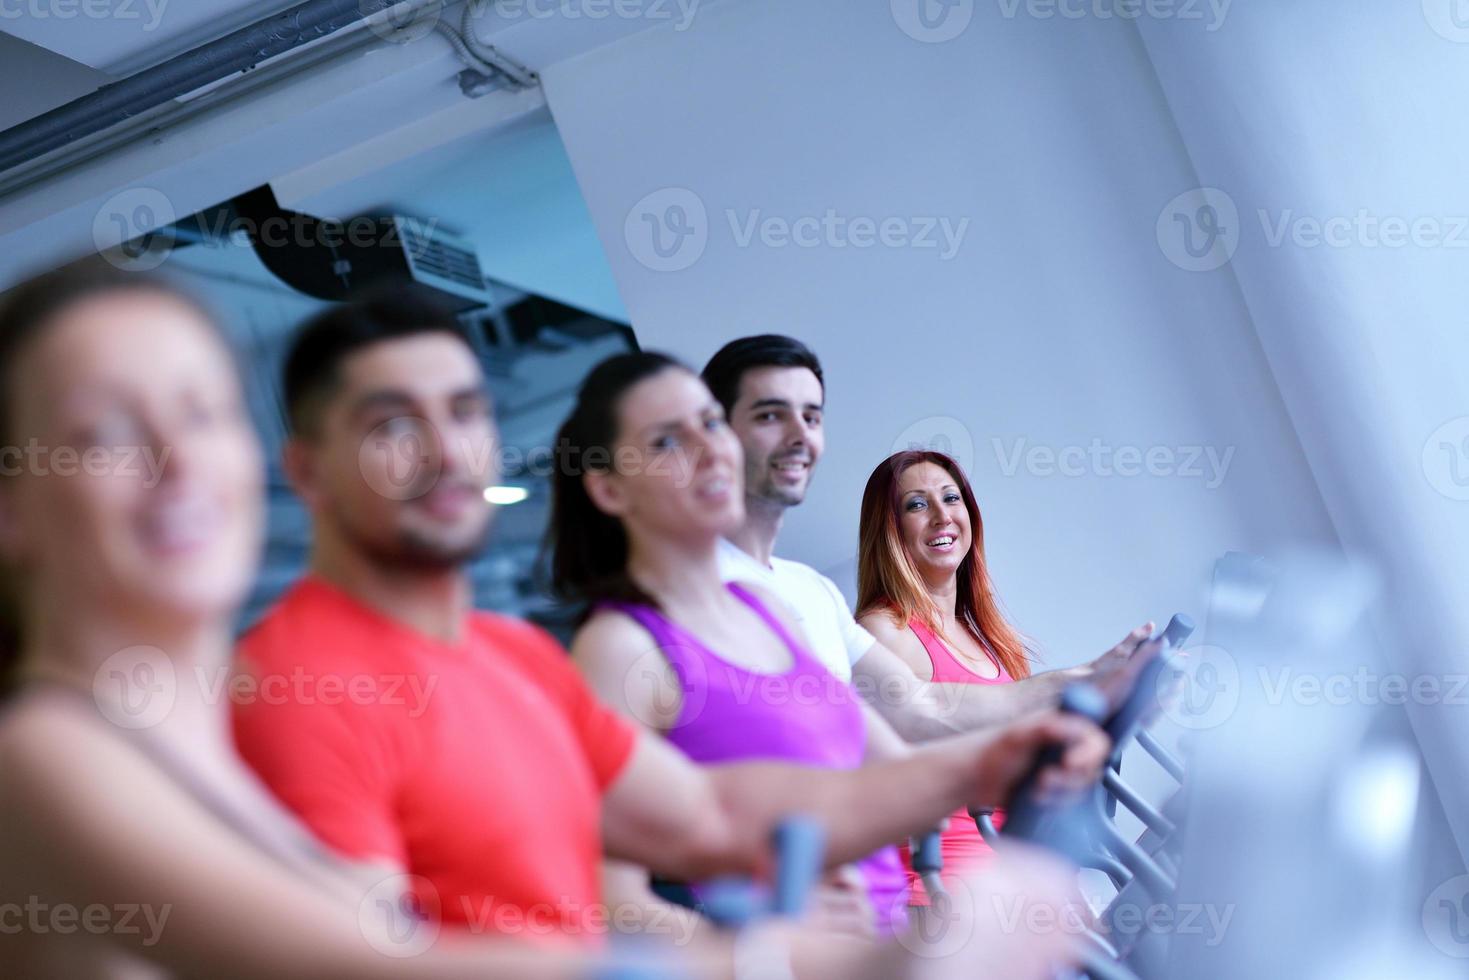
(237,51)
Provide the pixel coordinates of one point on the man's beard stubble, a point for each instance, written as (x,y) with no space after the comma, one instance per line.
(760,486)
(409,551)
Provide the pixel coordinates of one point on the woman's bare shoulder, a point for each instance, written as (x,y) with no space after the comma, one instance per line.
(50,745)
(883,624)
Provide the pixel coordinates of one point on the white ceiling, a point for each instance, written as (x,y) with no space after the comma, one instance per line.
(61,80)
(132,34)
(383,97)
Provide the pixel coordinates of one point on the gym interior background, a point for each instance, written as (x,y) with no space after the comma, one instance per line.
(1130,264)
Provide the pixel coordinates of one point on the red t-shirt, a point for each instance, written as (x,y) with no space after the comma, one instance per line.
(478,766)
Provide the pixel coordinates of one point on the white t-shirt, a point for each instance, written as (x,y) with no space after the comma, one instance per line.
(836,638)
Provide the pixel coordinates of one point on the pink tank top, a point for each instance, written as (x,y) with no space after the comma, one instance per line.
(961,845)
(947,668)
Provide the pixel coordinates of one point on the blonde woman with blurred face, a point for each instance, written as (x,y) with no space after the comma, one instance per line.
(133,843)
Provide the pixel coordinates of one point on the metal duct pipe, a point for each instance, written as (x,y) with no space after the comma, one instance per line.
(191,70)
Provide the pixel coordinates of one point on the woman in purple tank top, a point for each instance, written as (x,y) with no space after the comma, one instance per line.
(718,669)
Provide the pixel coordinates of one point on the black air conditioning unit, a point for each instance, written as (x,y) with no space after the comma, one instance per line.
(331,259)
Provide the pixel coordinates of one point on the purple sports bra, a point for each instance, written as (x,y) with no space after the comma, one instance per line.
(805,716)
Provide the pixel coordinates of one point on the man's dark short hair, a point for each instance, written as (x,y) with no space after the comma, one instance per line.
(726,369)
(387,312)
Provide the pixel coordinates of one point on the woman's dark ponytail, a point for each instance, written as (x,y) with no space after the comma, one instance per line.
(587,547)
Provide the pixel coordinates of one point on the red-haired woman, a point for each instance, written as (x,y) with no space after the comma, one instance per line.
(924,591)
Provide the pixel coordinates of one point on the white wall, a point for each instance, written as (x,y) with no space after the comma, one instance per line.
(1059,320)
(1366,329)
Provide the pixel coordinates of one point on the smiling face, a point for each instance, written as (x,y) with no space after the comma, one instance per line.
(778,419)
(933,521)
(404,452)
(134,478)
(676,466)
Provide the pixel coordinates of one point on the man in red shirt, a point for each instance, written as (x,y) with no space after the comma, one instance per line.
(459,750)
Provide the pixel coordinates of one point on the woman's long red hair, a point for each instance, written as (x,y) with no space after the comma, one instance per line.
(887,579)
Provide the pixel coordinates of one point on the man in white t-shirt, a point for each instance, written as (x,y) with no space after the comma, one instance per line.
(819,606)
(773,393)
